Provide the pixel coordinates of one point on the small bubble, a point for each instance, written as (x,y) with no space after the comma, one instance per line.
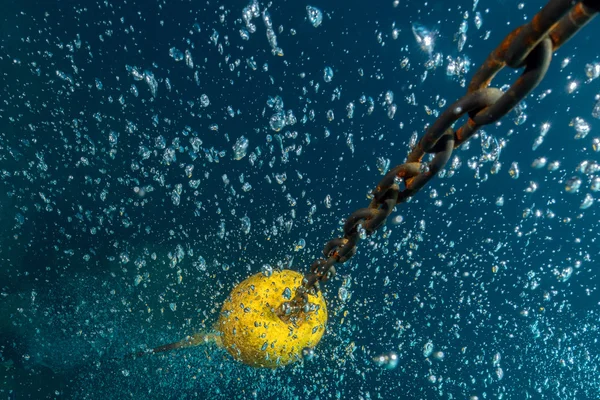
(582,128)
(427,349)
(240,148)
(287,293)
(499,373)
(573,185)
(277,121)
(315,16)
(587,202)
(266,270)
(553,166)
(397,219)
(533,186)
(514,170)
(539,163)
(343,294)
(308,353)
(327,74)
(300,245)
(592,71)
(387,361)
(500,201)
(572,86)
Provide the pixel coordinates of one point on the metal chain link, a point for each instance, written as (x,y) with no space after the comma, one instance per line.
(530,46)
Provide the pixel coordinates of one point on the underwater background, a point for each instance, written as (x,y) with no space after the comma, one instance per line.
(155,153)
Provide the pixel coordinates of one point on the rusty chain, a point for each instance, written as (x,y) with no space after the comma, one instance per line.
(530,46)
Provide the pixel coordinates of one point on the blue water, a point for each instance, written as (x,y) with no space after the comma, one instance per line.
(102,253)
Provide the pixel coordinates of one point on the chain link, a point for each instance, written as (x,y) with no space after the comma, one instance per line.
(530,46)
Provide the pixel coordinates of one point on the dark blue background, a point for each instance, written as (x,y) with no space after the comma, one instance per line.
(64,315)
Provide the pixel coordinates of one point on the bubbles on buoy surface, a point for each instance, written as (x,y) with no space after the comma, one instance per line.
(267,270)
(253,333)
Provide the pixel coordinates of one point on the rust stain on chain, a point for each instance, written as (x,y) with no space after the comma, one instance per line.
(530,46)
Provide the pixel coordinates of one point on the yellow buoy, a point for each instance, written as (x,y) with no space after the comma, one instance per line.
(251,331)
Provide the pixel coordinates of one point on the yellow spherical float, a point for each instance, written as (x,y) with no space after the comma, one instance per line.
(250,329)
(253,333)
